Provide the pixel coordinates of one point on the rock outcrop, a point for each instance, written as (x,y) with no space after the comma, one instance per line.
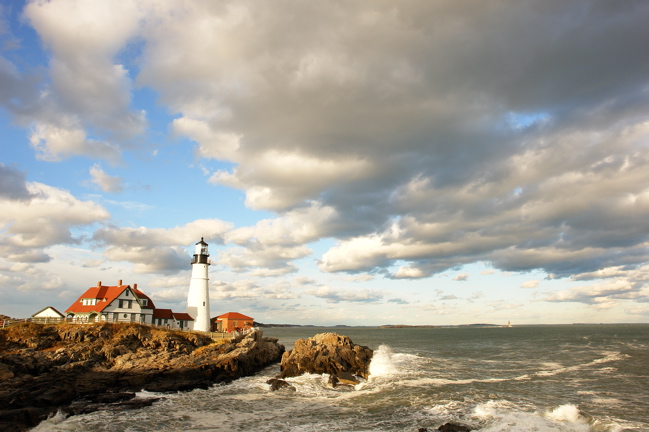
(278,384)
(328,353)
(44,368)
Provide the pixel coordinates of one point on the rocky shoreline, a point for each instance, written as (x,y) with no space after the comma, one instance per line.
(81,368)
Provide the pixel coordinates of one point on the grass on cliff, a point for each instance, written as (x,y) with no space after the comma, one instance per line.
(31,335)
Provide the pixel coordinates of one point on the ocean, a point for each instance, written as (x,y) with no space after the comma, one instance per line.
(523,378)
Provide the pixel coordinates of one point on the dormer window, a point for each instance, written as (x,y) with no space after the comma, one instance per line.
(145,302)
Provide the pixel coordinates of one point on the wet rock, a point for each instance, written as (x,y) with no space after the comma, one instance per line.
(328,353)
(452,427)
(278,384)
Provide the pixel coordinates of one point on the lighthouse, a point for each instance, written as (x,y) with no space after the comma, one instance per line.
(198,299)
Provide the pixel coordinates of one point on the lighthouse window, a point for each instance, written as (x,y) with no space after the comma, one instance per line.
(203,303)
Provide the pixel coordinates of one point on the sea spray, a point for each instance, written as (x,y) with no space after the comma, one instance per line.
(382,363)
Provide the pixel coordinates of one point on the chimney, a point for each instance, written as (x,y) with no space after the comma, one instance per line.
(119,282)
(99,284)
(134,286)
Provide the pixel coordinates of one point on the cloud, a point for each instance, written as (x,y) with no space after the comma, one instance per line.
(530,284)
(420,136)
(107,183)
(398,301)
(158,250)
(264,260)
(87,91)
(615,287)
(63,136)
(248,289)
(332,295)
(461,277)
(45,219)
(409,272)
(13,184)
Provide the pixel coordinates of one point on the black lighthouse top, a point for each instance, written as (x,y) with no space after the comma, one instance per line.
(201,253)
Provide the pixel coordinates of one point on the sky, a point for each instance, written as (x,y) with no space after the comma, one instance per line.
(348,163)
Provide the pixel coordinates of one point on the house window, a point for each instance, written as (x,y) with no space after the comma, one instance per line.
(125,304)
(125,315)
(145,302)
(126,293)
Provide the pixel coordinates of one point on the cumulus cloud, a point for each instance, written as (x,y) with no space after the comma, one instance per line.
(263,260)
(158,250)
(461,277)
(613,287)
(45,219)
(13,184)
(248,289)
(86,91)
(332,295)
(106,182)
(530,284)
(419,135)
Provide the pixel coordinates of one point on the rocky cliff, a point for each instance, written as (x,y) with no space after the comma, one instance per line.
(44,368)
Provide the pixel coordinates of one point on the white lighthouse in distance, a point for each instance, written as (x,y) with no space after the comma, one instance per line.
(198,299)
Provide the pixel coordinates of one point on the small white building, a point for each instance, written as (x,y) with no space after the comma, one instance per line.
(48,315)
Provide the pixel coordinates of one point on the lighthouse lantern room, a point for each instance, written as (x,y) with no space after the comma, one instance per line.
(198,299)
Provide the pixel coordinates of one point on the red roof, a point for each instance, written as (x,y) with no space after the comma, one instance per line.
(234,315)
(104,295)
(168,314)
(141,295)
(162,314)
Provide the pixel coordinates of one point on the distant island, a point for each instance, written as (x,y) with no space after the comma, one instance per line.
(406,326)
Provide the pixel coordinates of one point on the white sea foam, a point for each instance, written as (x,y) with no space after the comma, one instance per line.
(383,362)
(497,416)
(51,422)
(566,413)
(387,364)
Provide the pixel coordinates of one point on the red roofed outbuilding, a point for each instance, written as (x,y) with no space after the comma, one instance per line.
(166,317)
(232,321)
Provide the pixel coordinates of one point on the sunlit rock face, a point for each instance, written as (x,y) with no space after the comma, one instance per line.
(328,353)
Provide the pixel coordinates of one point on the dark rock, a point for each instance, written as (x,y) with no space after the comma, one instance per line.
(452,427)
(328,353)
(278,384)
(85,368)
(107,398)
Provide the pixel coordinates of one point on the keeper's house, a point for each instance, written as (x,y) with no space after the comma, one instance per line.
(123,303)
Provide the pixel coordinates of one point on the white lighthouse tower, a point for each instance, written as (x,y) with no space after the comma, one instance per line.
(198,299)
